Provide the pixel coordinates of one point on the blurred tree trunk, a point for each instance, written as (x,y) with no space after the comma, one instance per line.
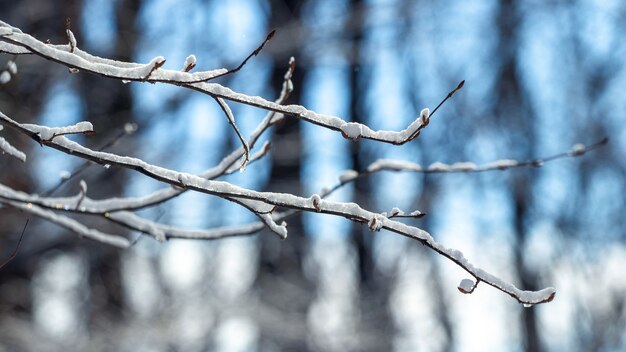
(517,117)
(23,99)
(374,287)
(284,291)
(108,105)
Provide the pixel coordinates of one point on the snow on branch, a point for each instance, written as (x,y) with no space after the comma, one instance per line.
(152,72)
(263,204)
(504,164)
(351,211)
(70,224)
(7,148)
(66,176)
(47,134)
(131,221)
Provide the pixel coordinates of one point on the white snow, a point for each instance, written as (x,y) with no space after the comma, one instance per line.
(352,130)
(376,222)
(393,165)
(316,202)
(48,133)
(439,167)
(396,211)
(464,166)
(71,38)
(466,286)
(5,77)
(578,149)
(12,67)
(83,186)
(11,150)
(130,127)
(348,175)
(425,116)
(4,31)
(64,175)
(73,225)
(502,164)
(190,63)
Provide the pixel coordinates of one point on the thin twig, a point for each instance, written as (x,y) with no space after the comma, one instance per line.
(458,87)
(254,53)
(17,247)
(450,94)
(85,165)
(231,120)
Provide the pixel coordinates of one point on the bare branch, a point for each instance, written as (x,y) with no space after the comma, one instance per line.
(256,52)
(17,247)
(231,120)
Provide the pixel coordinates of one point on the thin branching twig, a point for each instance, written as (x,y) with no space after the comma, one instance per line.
(17,247)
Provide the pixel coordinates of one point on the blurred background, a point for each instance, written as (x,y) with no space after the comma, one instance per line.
(540,77)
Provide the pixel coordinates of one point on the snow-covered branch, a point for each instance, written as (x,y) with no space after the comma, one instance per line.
(265,205)
(257,201)
(7,148)
(70,224)
(13,39)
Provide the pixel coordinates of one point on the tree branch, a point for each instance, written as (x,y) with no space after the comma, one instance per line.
(349,211)
(151,72)
(17,246)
